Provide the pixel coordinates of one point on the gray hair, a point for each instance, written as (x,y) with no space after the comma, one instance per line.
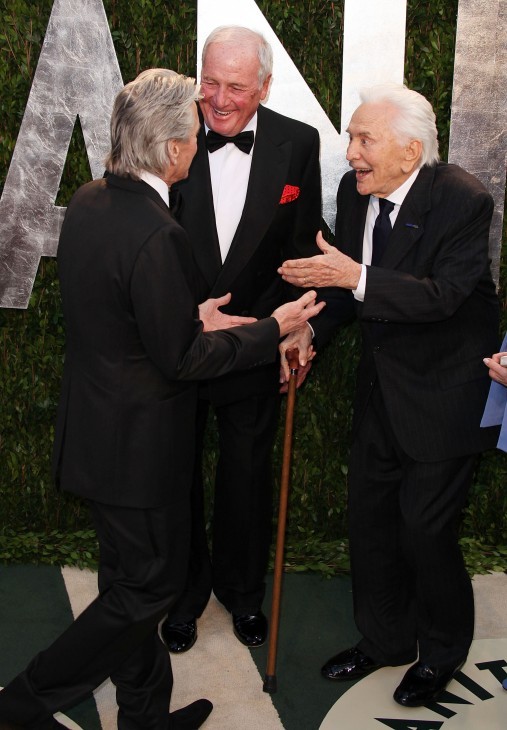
(147,113)
(238,35)
(414,117)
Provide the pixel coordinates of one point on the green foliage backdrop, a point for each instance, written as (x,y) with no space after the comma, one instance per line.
(37,522)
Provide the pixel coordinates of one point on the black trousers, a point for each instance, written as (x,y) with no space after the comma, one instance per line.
(242,515)
(142,571)
(412,594)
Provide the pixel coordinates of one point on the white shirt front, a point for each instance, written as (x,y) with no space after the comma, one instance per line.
(230,172)
(397,197)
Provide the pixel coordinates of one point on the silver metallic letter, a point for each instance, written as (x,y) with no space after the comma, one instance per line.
(77,75)
(478,140)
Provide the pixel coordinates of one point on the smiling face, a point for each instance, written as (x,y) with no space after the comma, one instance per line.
(381,162)
(230,87)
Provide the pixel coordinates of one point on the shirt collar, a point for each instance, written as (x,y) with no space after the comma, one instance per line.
(157,184)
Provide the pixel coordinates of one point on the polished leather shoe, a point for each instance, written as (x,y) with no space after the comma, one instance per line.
(192,716)
(179,637)
(250,628)
(422,684)
(349,664)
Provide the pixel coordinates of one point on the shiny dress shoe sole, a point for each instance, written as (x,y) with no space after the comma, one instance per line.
(179,637)
(348,665)
(250,628)
(422,684)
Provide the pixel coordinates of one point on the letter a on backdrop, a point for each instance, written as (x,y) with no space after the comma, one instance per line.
(77,76)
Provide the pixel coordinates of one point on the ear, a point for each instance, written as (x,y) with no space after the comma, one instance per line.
(413,152)
(265,87)
(173,151)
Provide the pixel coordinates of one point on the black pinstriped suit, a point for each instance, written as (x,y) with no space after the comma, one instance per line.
(429,316)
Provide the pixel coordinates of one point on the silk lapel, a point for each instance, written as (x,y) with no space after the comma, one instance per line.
(197,214)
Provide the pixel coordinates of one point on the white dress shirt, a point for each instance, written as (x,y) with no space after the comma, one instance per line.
(230,172)
(397,197)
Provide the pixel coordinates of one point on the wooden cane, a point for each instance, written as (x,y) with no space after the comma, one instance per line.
(270,684)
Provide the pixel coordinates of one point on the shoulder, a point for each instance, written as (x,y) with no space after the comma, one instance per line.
(454,180)
(285,125)
(454,191)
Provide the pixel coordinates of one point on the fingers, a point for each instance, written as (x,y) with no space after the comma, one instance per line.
(220,301)
(323,244)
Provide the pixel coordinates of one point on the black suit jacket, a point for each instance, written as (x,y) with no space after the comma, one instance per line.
(430,312)
(286,152)
(135,348)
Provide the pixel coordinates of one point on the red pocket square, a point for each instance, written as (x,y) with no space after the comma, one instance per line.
(290,193)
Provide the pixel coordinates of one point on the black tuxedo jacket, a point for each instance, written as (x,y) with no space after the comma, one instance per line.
(135,348)
(286,152)
(430,312)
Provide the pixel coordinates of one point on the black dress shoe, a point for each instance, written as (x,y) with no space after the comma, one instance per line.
(190,717)
(349,664)
(422,684)
(250,628)
(179,637)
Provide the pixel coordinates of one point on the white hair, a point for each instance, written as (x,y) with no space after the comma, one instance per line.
(414,117)
(239,36)
(147,113)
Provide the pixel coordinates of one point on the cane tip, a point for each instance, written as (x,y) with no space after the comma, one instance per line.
(269,683)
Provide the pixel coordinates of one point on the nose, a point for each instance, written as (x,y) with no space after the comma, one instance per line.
(352,151)
(220,97)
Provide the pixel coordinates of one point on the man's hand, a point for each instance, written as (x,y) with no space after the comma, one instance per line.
(497,372)
(293,315)
(331,268)
(213,319)
(302,340)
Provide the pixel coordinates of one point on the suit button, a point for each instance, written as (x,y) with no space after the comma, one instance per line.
(376,348)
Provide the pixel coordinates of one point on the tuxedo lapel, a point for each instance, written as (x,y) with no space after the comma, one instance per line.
(201,228)
(268,175)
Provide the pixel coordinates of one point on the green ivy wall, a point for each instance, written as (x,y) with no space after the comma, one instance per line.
(38,523)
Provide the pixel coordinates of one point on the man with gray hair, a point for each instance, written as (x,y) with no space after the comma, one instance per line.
(411,263)
(125,430)
(252,200)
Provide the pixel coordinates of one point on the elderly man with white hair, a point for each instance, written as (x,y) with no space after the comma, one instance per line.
(411,262)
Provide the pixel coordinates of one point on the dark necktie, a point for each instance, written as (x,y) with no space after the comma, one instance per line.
(243,141)
(381,231)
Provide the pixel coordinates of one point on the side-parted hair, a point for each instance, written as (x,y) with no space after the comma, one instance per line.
(238,35)
(147,113)
(414,117)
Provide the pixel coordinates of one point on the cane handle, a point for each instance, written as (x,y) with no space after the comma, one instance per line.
(292,356)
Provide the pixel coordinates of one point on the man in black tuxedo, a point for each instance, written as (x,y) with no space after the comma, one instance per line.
(125,429)
(428,312)
(245,208)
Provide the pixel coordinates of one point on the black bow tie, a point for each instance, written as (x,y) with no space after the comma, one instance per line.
(243,141)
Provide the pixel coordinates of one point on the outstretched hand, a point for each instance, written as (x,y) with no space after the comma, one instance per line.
(331,268)
(213,319)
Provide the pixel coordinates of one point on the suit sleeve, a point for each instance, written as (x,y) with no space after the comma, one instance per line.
(166,313)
